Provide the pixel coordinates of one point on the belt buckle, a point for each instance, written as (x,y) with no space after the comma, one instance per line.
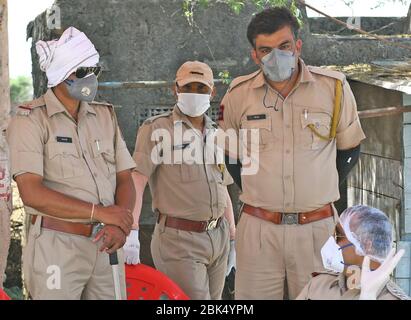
(289,218)
(212,224)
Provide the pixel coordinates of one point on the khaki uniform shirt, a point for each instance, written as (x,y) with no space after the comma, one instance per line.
(191,190)
(332,286)
(297,169)
(79,159)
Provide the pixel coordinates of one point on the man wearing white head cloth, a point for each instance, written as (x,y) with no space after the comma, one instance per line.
(72,169)
(359,259)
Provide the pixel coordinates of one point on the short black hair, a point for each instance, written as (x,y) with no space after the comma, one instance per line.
(271,20)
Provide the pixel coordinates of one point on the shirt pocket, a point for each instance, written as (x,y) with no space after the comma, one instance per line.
(64,160)
(264,133)
(316,128)
(104,156)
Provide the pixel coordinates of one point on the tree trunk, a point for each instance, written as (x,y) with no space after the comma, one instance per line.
(407,25)
(305,29)
(5,189)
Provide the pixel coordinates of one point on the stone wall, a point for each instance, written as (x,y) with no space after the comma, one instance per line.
(150,39)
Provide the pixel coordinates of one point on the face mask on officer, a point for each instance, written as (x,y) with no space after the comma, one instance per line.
(193,104)
(332,257)
(84,86)
(194,85)
(279,65)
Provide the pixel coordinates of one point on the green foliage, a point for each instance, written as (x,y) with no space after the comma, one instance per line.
(235,5)
(261,4)
(225,76)
(20,89)
(188,11)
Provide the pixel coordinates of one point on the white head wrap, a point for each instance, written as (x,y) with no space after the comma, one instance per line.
(60,58)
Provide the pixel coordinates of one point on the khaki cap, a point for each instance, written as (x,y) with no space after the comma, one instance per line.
(195,71)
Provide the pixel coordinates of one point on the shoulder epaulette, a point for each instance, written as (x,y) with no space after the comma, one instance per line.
(239,80)
(25,108)
(396,291)
(315,274)
(163,115)
(105,104)
(327,73)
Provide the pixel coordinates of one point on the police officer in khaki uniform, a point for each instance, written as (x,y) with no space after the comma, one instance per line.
(175,153)
(327,285)
(362,231)
(73,172)
(306,118)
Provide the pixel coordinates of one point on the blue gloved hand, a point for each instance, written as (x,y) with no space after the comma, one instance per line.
(231,258)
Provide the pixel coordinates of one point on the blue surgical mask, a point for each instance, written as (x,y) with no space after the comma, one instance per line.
(279,65)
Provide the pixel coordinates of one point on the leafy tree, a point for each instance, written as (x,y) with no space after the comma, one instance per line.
(20,89)
(236,6)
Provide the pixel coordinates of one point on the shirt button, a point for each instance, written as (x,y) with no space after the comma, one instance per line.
(288,177)
(95,174)
(287,151)
(288,126)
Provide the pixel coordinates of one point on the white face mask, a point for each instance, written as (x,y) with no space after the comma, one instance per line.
(279,65)
(332,257)
(193,104)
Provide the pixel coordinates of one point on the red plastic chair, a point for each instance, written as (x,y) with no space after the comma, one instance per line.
(146,283)
(3,295)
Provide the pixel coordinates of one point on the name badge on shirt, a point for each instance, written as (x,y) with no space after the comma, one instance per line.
(181,146)
(64,139)
(256,117)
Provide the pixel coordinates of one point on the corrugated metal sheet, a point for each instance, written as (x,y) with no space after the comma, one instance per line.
(388,74)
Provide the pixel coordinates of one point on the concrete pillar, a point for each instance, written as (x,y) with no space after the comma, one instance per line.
(403,271)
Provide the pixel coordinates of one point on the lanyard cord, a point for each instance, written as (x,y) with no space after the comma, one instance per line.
(265,95)
(278,95)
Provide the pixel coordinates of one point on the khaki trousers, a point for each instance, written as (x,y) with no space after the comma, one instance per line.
(197,262)
(270,256)
(62,266)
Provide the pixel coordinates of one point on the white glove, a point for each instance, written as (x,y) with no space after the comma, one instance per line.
(231,258)
(132,248)
(372,282)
